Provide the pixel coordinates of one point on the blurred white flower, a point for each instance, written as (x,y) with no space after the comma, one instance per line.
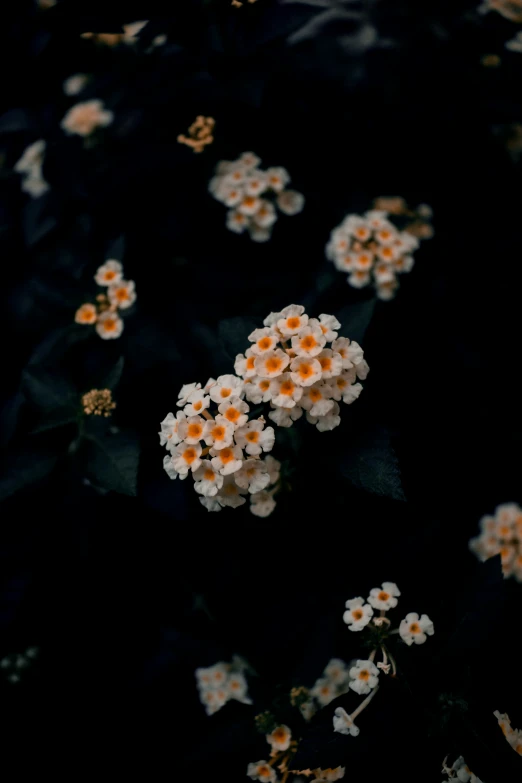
(343,724)
(279,738)
(262,504)
(75,84)
(290,202)
(260,770)
(122,294)
(109,273)
(84,118)
(207,480)
(364,677)
(109,326)
(253,476)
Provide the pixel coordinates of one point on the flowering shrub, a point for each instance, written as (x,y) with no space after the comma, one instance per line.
(120,295)
(372,250)
(287,365)
(501,534)
(240,184)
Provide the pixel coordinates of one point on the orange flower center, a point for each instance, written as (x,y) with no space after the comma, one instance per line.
(415,628)
(226,455)
(264,344)
(218,433)
(326,363)
(189,455)
(308,342)
(305,370)
(264,385)
(250,363)
(364,674)
(109,324)
(287,387)
(226,392)
(293,323)
(197,405)
(273,364)
(232,414)
(383,596)
(110,275)
(252,436)
(195,430)
(315,395)
(357,614)
(209,475)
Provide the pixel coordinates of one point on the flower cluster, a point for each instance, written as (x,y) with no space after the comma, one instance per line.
(120,295)
(363,676)
(98,402)
(199,133)
(219,683)
(30,166)
(460,771)
(290,365)
(84,118)
(372,250)
(510,9)
(333,682)
(513,736)
(252,195)
(13,665)
(501,534)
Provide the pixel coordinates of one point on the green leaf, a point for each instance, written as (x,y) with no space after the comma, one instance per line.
(371,464)
(113,377)
(48,390)
(26,466)
(112,461)
(59,417)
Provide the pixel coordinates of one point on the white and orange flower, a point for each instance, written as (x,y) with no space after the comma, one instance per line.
(226,386)
(317,399)
(263,340)
(253,476)
(414,629)
(169,429)
(197,402)
(109,326)
(191,429)
(227,460)
(254,438)
(234,410)
(364,677)
(84,118)
(384,598)
(244,364)
(258,390)
(122,295)
(207,479)
(285,417)
(309,341)
(186,458)
(271,363)
(279,738)
(261,770)
(277,178)
(109,273)
(358,614)
(291,320)
(86,314)
(285,393)
(304,371)
(218,433)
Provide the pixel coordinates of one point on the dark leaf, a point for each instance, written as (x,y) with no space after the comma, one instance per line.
(48,390)
(371,464)
(56,418)
(233,334)
(113,461)
(25,466)
(15,120)
(355,319)
(113,377)
(116,249)
(37,220)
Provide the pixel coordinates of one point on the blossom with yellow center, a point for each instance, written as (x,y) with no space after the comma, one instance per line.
(109,273)
(186,458)
(191,429)
(244,364)
(358,614)
(227,460)
(235,411)
(218,433)
(263,340)
(304,371)
(109,326)
(291,320)
(364,677)
(271,363)
(226,387)
(122,294)
(284,391)
(384,598)
(207,480)
(261,770)
(253,476)
(415,629)
(280,738)
(86,314)
(169,429)
(254,438)
(309,341)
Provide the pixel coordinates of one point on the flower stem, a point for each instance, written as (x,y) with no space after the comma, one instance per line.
(363,704)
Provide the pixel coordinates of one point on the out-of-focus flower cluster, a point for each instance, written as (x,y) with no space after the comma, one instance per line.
(30,166)
(459,770)
(333,682)
(253,195)
(199,133)
(14,665)
(120,295)
(510,9)
(372,250)
(513,736)
(363,675)
(288,365)
(219,683)
(84,118)
(129,35)
(98,402)
(501,534)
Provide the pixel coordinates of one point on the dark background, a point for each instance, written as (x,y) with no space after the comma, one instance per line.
(126,593)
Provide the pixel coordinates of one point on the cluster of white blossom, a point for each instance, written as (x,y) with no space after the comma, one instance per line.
(501,534)
(219,683)
(30,166)
(120,295)
(513,736)
(371,250)
(291,366)
(333,682)
(84,118)
(288,365)
(363,675)
(459,770)
(13,665)
(252,195)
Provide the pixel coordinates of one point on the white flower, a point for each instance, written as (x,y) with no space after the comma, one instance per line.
(388,254)
(305,372)
(324,691)
(364,676)
(83,118)
(198,401)
(122,294)
(309,341)
(328,422)
(255,183)
(403,264)
(229,194)
(384,598)
(109,326)
(317,399)
(291,320)
(86,314)
(331,363)
(387,234)
(254,438)
(258,390)
(376,219)
(328,324)
(285,417)
(35,186)
(253,476)
(285,393)
(271,363)
(186,458)
(351,393)
(32,158)
(211,504)
(280,738)
(384,273)
(75,84)
(264,340)
(230,493)
(274,468)
(358,227)
(249,205)
(207,480)
(169,430)
(362,260)
(414,629)
(226,386)
(214,699)
(237,687)
(343,723)
(262,504)
(271,319)
(358,614)
(186,391)
(386,291)
(342,347)
(260,770)
(341,383)
(191,430)
(336,671)
(249,160)
(277,178)
(227,460)
(244,364)
(359,278)
(218,433)
(259,234)
(266,215)
(108,273)
(290,202)
(235,411)
(236,221)
(169,468)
